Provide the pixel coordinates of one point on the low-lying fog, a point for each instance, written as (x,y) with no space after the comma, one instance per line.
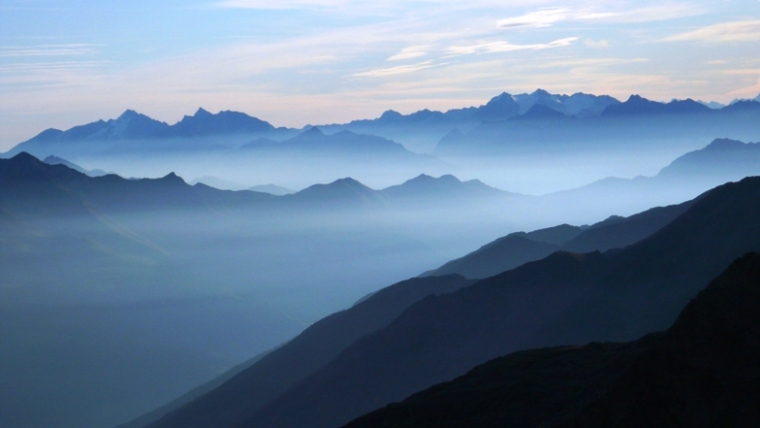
(105,321)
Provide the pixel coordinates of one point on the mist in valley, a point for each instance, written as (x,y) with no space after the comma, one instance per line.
(119,295)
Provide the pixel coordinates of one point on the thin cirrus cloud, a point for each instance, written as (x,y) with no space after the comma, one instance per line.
(46,50)
(542,18)
(410,52)
(549,17)
(399,69)
(502,46)
(726,32)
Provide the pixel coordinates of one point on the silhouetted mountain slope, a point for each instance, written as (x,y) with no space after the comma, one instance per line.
(55,160)
(34,188)
(519,248)
(501,255)
(701,372)
(563,299)
(259,384)
(624,231)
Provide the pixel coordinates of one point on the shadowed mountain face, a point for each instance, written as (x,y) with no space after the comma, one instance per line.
(700,372)
(519,248)
(54,160)
(563,299)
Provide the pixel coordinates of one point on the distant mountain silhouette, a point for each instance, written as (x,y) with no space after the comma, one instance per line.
(272,189)
(426,187)
(723,159)
(637,121)
(124,133)
(340,192)
(344,143)
(700,372)
(55,160)
(637,105)
(421,130)
(519,248)
(564,299)
(224,122)
(689,175)
(259,384)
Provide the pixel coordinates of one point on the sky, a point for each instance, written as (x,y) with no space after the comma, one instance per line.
(297,62)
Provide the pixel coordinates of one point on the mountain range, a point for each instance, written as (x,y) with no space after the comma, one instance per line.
(566,298)
(115,135)
(699,372)
(229,129)
(636,123)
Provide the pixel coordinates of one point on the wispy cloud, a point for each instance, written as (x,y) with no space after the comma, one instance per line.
(542,18)
(503,46)
(548,17)
(400,69)
(409,53)
(46,50)
(592,62)
(597,44)
(736,31)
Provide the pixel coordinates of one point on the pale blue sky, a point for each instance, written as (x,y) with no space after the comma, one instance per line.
(293,62)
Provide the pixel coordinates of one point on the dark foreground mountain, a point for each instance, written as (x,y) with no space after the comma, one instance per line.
(519,248)
(564,299)
(703,371)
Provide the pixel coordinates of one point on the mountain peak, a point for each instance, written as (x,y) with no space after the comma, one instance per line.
(541,93)
(313,131)
(128,114)
(172,178)
(724,143)
(635,99)
(390,115)
(201,112)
